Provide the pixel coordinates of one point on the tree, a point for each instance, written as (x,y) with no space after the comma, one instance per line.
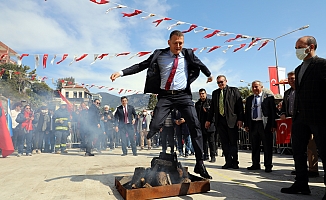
(245,92)
(152,102)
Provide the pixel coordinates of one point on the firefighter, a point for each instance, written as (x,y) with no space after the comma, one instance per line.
(62,128)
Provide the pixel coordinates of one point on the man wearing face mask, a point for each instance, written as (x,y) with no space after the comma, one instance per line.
(309,111)
(143,128)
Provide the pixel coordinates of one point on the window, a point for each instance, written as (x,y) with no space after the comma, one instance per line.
(80,95)
(75,95)
(67,94)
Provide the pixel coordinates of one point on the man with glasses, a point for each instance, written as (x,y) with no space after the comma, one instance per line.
(93,125)
(227,108)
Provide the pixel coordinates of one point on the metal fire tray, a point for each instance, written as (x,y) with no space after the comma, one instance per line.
(198,185)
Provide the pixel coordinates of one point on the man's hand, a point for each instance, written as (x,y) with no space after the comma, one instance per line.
(181,120)
(209,79)
(282,116)
(239,124)
(247,129)
(115,76)
(207,124)
(133,121)
(273,130)
(98,125)
(116,129)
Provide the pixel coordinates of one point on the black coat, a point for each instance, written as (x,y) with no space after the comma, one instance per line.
(202,115)
(233,107)
(153,79)
(310,93)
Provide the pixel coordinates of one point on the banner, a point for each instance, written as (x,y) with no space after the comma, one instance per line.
(283,132)
(273,80)
(281,77)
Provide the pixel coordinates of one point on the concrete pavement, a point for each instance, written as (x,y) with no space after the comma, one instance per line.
(73,176)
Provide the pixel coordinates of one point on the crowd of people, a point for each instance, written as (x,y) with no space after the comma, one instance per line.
(177,122)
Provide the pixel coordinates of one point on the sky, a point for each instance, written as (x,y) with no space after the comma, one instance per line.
(77,27)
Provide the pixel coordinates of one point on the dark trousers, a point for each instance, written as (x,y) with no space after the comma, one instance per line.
(229,141)
(38,139)
(15,133)
(127,129)
(300,137)
(183,102)
(82,134)
(111,138)
(61,140)
(91,138)
(260,134)
(22,136)
(208,141)
(167,136)
(49,141)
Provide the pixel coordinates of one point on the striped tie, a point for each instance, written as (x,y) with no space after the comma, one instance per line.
(221,103)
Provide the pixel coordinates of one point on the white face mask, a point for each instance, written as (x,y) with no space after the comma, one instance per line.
(301,53)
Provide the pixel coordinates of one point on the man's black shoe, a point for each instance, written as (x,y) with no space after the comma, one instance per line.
(150,134)
(135,154)
(235,166)
(124,154)
(206,158)
(226,166)
(201,169)
(213,160)
(297,188)
(253,167)
(89,154)
(268,169)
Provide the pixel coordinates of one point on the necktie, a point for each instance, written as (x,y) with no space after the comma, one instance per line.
(255,111)
(221,103)
(172,73)
(126,115)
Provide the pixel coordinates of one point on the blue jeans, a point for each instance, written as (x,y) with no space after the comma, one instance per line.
(21,140)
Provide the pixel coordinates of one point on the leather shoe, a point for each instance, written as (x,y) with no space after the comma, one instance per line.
(227,166)
(253,167)
(268,169)
(135,154)
(297,188)
(235,166)
(150,134)
(89,154)
(213,160)
(124,154)
(201,169)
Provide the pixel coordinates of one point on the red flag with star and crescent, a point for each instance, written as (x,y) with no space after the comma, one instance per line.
(5,140)
(283,132)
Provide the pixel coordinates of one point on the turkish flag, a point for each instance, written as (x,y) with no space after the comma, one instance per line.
(273,80)
(5,140)
(283,132)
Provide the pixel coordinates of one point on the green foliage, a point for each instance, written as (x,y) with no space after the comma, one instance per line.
(152,102)
(245,92)
(23,85)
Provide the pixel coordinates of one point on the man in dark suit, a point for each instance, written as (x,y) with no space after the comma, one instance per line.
(93,126)
(309,111)
(227,108)
(287,111)
(202,108)
(170,73)
(260,113)
(125,117)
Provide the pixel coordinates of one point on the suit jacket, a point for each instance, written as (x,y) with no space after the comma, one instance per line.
(153,78)
(120,116)
(268,111)
(285,103)
(94,117)
(233,107)
(202,115)
(148,119)
(310,93)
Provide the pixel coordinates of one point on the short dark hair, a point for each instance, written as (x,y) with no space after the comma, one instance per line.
(312,40)
(202,89)
(220,76)
(177,33)
(95,100)
(17,104)
(291,73)
(123,97)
